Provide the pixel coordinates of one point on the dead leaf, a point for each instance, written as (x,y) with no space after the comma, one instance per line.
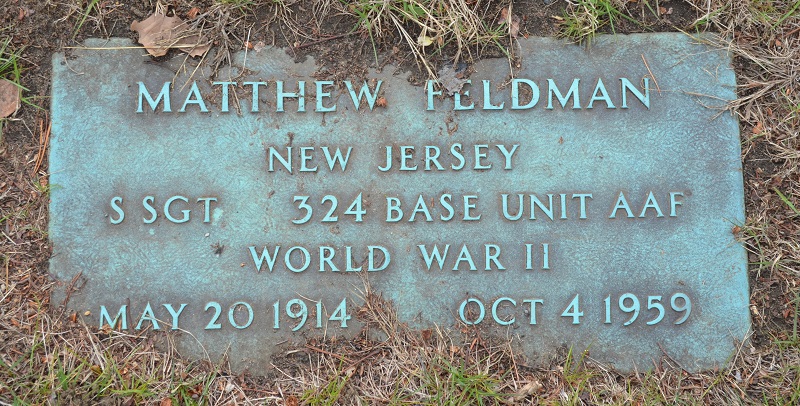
(514,31)
(9,98)
(193,12)
(158,33)
(754,309)
(531,388)
(449,80)
(512,20)
(165,402)
(426,335)
(291,400)
(350,371)
(758,128)
(424,40)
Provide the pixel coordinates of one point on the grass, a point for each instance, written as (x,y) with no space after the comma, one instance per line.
(427,27)
(239,5)
(69,376)
(9,63)
(447,383)
(45,357)
(236,3)
(583,19)
(788,202)
(11,70)
(90,5)
(328,394)
(576,376)
(793,10)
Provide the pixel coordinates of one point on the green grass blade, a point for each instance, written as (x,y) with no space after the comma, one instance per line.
(786,199)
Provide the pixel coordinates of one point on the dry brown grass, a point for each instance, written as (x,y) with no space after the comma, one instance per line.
(427,27)
(47,357)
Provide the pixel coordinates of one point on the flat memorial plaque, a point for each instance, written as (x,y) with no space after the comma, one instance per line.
(589,202)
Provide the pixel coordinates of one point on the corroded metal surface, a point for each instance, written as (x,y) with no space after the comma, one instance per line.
(671,259)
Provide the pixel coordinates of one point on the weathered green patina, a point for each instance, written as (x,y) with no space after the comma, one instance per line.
(595,218)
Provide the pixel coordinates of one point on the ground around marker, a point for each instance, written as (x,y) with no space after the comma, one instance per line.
(47,353)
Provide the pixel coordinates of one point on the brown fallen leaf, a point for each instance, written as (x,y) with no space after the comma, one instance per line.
(193,12)
(512,20)
(158,33)
(450,80)
(9,98)
(758,128)
(426,335)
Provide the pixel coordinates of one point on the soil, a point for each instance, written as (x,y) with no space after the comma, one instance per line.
(39,29)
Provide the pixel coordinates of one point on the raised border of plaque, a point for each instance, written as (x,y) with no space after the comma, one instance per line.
(584,199)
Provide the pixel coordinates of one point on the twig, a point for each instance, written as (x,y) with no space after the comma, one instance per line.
(791,32)
(370,355)
(664,351)
(320,350)
(651,74)
(71,288)
(44,139)
(246,48)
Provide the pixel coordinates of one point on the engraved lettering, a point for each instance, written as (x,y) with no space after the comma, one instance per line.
(115,201)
